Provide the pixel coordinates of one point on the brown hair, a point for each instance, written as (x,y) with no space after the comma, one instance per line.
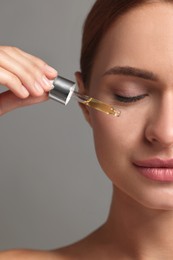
(98,21)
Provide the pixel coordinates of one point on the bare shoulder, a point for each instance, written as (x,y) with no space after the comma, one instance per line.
(90,247)
(30,255)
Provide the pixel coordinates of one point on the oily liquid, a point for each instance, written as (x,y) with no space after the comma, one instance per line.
(108,109)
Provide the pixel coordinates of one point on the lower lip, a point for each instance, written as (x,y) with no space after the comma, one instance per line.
(157,174)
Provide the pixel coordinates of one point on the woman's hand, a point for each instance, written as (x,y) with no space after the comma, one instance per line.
(26,76)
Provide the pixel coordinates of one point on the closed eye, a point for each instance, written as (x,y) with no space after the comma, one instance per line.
(124,99)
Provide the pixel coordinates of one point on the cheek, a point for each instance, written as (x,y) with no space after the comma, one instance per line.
(115,143)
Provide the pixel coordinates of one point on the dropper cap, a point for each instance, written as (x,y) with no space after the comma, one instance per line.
(63,90)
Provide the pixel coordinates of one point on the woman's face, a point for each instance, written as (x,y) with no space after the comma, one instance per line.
(143,39)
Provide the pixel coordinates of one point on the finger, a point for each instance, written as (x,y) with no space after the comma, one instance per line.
(8,101)
(14,50)
(32,65)
(49,71)
(13,83)
(27,79)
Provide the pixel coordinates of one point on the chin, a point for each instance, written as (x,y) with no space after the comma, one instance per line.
(156,201)
(147,197)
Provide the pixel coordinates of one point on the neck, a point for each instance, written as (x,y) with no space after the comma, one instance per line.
(141,232)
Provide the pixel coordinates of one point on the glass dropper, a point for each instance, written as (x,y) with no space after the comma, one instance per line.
(64,89)
(97,104)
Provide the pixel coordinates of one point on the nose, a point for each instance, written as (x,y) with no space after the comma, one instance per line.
(159,129)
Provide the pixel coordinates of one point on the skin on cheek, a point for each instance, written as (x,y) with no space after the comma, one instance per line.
(109,142)
(117,141)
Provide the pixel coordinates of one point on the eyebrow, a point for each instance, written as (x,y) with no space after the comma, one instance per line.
(130,71)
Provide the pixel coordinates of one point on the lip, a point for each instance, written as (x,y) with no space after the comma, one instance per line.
(156,169)
(155,163)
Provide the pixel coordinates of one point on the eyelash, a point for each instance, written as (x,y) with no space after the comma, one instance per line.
(124,99)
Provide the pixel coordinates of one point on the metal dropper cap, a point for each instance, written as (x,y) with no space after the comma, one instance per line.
(63,90)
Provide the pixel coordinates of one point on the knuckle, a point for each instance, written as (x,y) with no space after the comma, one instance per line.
(34,66)
(32,72)
(37,74)
(27,75)
(23,71)
(12,78)
(40,63)
(27,78)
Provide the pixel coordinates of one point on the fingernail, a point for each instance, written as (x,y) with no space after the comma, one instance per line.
(38,88)
(48,84)
(24,91)
(50,69)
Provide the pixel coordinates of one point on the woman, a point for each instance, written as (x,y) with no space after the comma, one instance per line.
(127,61)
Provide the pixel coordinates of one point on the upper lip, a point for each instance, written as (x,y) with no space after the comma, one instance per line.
(155,163)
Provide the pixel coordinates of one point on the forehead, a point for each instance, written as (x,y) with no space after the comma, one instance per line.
(142,37)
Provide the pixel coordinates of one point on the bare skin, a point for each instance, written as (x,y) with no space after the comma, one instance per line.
(26,77)
(140,222)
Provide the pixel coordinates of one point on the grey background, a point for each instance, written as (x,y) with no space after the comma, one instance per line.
(52,190)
